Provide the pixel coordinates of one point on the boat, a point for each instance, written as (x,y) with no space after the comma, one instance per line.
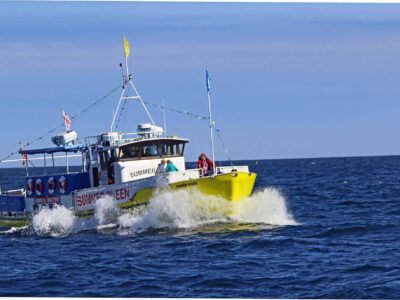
(119,165)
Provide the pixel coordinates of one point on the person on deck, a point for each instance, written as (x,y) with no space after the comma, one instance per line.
(161,167)
(171,167)
(205,164)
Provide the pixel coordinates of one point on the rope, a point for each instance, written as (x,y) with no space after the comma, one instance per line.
(74,117)
(77,115)
(120,114)
(187,113)
(223,146)
(183,112)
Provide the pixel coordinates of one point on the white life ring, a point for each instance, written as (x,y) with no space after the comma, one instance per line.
(63,184)
(39,187)
(30,187)
(51,185)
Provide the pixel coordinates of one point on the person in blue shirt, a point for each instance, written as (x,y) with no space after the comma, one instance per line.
(171,167)
(151,151)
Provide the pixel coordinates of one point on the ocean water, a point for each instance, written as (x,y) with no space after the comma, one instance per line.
(314,228)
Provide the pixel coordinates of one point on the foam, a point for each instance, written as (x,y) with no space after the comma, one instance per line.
(185,209)
(56,221)
(191,209)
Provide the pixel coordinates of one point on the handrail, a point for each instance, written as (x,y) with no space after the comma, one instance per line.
(40,158)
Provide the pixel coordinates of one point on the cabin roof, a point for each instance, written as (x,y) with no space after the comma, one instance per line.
(149,141)
(73,148)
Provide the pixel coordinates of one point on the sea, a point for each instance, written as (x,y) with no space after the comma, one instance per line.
(313,228)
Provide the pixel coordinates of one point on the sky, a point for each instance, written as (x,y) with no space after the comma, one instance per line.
(287,80)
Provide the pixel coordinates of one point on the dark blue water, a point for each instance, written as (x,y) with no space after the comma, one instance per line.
(346,244)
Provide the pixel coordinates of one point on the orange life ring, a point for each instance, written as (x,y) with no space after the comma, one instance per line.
(39,187)
(63,184)
(51,185)
(30,188)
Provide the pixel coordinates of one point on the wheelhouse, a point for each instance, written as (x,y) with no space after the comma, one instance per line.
(123,160)
(155,148)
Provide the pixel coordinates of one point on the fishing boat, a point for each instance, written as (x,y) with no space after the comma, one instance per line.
(119,165)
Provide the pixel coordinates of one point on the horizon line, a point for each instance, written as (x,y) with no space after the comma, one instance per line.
(259,159)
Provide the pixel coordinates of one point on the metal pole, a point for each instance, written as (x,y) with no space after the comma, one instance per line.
(116,112)
(127,69)
(66,155)
(52,158)
(211,131)
(45,166)
(26,162)
(165,121)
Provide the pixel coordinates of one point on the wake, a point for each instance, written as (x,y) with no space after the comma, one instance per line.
(167,210)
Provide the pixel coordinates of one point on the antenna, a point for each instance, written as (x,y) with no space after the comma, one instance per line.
(122,72)
(113,114)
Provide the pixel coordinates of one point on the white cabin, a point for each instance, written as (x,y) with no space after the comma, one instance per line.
(116,159)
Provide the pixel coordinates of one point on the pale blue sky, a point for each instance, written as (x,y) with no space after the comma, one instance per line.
(288,80)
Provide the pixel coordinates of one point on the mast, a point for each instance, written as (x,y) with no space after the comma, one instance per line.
(211,121)
(128,82)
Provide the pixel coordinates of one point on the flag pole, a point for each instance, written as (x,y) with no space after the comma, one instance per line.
(24,159)
(211,121)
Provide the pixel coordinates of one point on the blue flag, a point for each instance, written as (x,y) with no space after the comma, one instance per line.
(207,81)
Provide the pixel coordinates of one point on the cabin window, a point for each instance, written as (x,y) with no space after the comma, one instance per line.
(113,155)
(172,149)
(129,151)
(103,160)
(164,150)
(95,176)
(151,150)
(178,149)
(94,154)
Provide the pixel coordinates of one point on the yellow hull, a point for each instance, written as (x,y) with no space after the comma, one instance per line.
(232,187)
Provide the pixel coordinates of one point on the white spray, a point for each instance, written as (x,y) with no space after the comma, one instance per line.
(186,209)
(56,221)
(106,211)
(191,209)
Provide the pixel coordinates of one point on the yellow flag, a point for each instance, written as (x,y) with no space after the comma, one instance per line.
(126,47)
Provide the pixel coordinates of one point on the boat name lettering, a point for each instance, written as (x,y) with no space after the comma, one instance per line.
(178,186)
(87,199)
(46,200)
(142,172)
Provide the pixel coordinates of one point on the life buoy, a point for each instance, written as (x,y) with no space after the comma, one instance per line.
(39,187)
(63,184)
(51,185)
(30,188)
